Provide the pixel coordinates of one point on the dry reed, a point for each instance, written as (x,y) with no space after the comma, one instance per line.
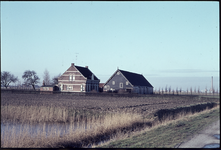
(79,133)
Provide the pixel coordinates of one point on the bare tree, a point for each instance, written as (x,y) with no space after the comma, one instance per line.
(191,90)
(166,89)
(198,90)
(55,79)
(46,77)
(177,91)
(155,91)
(7,78)
(206,90)
(30,78)
(180,90)
(195,90)
(187,91)
(162,90)
(169,89)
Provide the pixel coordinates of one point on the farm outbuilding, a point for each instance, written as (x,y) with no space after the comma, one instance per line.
(78,79)
(128,81)
(49,87)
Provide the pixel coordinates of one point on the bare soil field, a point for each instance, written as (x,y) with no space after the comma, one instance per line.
(141,105)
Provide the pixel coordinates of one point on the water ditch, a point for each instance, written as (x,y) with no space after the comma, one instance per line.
(33,130)
(11,130)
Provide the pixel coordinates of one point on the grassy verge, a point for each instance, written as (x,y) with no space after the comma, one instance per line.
(210,96)
(169,134)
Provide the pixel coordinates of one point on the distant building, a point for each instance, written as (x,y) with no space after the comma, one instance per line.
(101,85)
(78,79)
(48,87)
(128,81)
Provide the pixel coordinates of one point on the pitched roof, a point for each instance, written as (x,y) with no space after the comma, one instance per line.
(135,79)
(86,72)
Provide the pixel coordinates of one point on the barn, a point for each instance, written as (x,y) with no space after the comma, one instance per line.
(78,79)
(128,81)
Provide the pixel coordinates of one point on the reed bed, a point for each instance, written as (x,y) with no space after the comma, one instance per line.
(78,135)
(46,114)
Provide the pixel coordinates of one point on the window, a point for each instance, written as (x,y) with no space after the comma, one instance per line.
(82,87)
(113,82)
(71,78)
(118,73)
(121,85)
(127,82)
(70,87)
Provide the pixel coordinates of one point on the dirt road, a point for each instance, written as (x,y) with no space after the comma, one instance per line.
(205,137)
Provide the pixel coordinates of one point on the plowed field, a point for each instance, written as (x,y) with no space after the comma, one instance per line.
(142,105)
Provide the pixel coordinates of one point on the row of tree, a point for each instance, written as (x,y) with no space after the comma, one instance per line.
(190,90)
(30,78)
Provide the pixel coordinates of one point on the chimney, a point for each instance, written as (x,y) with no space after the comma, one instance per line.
(43,83)
(72,64)
(86,66)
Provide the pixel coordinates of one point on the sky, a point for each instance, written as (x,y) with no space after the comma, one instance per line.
(169,43)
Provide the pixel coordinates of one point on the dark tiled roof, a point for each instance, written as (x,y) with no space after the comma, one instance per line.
(86,72)
(136,79)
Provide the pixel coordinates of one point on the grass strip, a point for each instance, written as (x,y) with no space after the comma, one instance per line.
(170,134)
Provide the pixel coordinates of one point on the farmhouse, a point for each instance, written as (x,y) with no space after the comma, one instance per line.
(78,79)
(128,81)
